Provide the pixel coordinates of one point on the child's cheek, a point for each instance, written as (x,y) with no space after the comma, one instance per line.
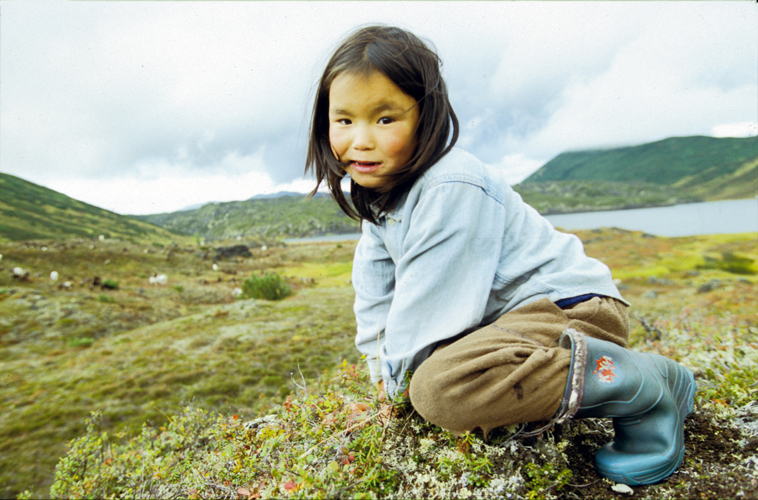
(398,143)
(337,141)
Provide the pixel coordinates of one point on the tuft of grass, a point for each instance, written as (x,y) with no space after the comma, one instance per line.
(80,342)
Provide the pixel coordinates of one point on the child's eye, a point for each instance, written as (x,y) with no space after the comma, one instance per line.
(344,121)
(386,120)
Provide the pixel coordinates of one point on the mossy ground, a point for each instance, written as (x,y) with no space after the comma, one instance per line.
(156,351)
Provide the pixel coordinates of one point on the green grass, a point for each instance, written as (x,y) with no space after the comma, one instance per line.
(166,372)
(138,352)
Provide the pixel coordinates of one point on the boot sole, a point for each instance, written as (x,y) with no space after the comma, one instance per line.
(685,397)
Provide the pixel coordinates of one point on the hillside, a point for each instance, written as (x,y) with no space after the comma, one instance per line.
(296,216)
(563,197)
(671,171)
(285,216)
(32,212)
(712,168)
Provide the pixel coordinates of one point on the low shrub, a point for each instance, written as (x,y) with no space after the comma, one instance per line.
(729,262)
(110,285)
(268,286)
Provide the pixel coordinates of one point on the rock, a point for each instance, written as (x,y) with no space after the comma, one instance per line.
(652,294)
(262,422)
(21,274)
(709,286)
(160,279)
(233,251)
(622,488)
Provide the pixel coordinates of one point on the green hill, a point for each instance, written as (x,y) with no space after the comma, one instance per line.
(31,212)
(285,216)
(707,167)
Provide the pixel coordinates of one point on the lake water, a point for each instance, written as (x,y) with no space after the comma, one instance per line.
(712,217)
(331,237)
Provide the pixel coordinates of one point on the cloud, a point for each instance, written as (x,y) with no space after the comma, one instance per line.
(517,167)
(102,95)
(658,85)
(740,129)
(171,192)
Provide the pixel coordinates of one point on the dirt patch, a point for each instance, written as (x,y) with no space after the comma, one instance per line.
(717,463)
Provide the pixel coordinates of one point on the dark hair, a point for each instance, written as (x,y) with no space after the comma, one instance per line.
(411,65)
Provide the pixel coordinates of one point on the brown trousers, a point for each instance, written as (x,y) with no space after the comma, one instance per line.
(511,371)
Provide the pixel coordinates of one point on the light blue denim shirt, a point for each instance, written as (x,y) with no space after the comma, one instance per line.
(460,249)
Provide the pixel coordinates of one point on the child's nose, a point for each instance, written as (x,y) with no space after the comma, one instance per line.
(363,138)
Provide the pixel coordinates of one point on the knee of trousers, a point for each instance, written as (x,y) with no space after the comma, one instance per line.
(429,396)
(505,395)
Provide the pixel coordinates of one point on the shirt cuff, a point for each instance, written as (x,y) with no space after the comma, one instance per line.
(374,370)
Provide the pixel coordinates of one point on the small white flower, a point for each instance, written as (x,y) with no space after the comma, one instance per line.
(54,276)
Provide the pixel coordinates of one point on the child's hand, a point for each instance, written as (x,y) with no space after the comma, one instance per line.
(380,391)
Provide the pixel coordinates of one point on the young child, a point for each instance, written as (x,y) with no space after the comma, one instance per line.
(499,318)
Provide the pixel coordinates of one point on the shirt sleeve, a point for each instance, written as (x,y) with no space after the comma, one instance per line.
(444,276)
(374,283)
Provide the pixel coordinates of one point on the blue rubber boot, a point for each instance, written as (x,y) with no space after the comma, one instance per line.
(648,396)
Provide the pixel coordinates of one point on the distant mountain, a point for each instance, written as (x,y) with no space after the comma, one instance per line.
(275,195)
(707,167)
(263,216)
(29,211)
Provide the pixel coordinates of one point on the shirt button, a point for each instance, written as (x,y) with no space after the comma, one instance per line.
(391,222)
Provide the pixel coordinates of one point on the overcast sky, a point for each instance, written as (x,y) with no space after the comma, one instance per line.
(147,107)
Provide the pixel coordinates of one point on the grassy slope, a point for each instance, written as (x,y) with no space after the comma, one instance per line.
(291,216)
(717,168)
(29,211)
(154,349)
(139,352)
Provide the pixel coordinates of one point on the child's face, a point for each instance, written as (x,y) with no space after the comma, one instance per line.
(372,126)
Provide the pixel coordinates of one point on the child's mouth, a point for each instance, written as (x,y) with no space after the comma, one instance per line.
(364,166)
